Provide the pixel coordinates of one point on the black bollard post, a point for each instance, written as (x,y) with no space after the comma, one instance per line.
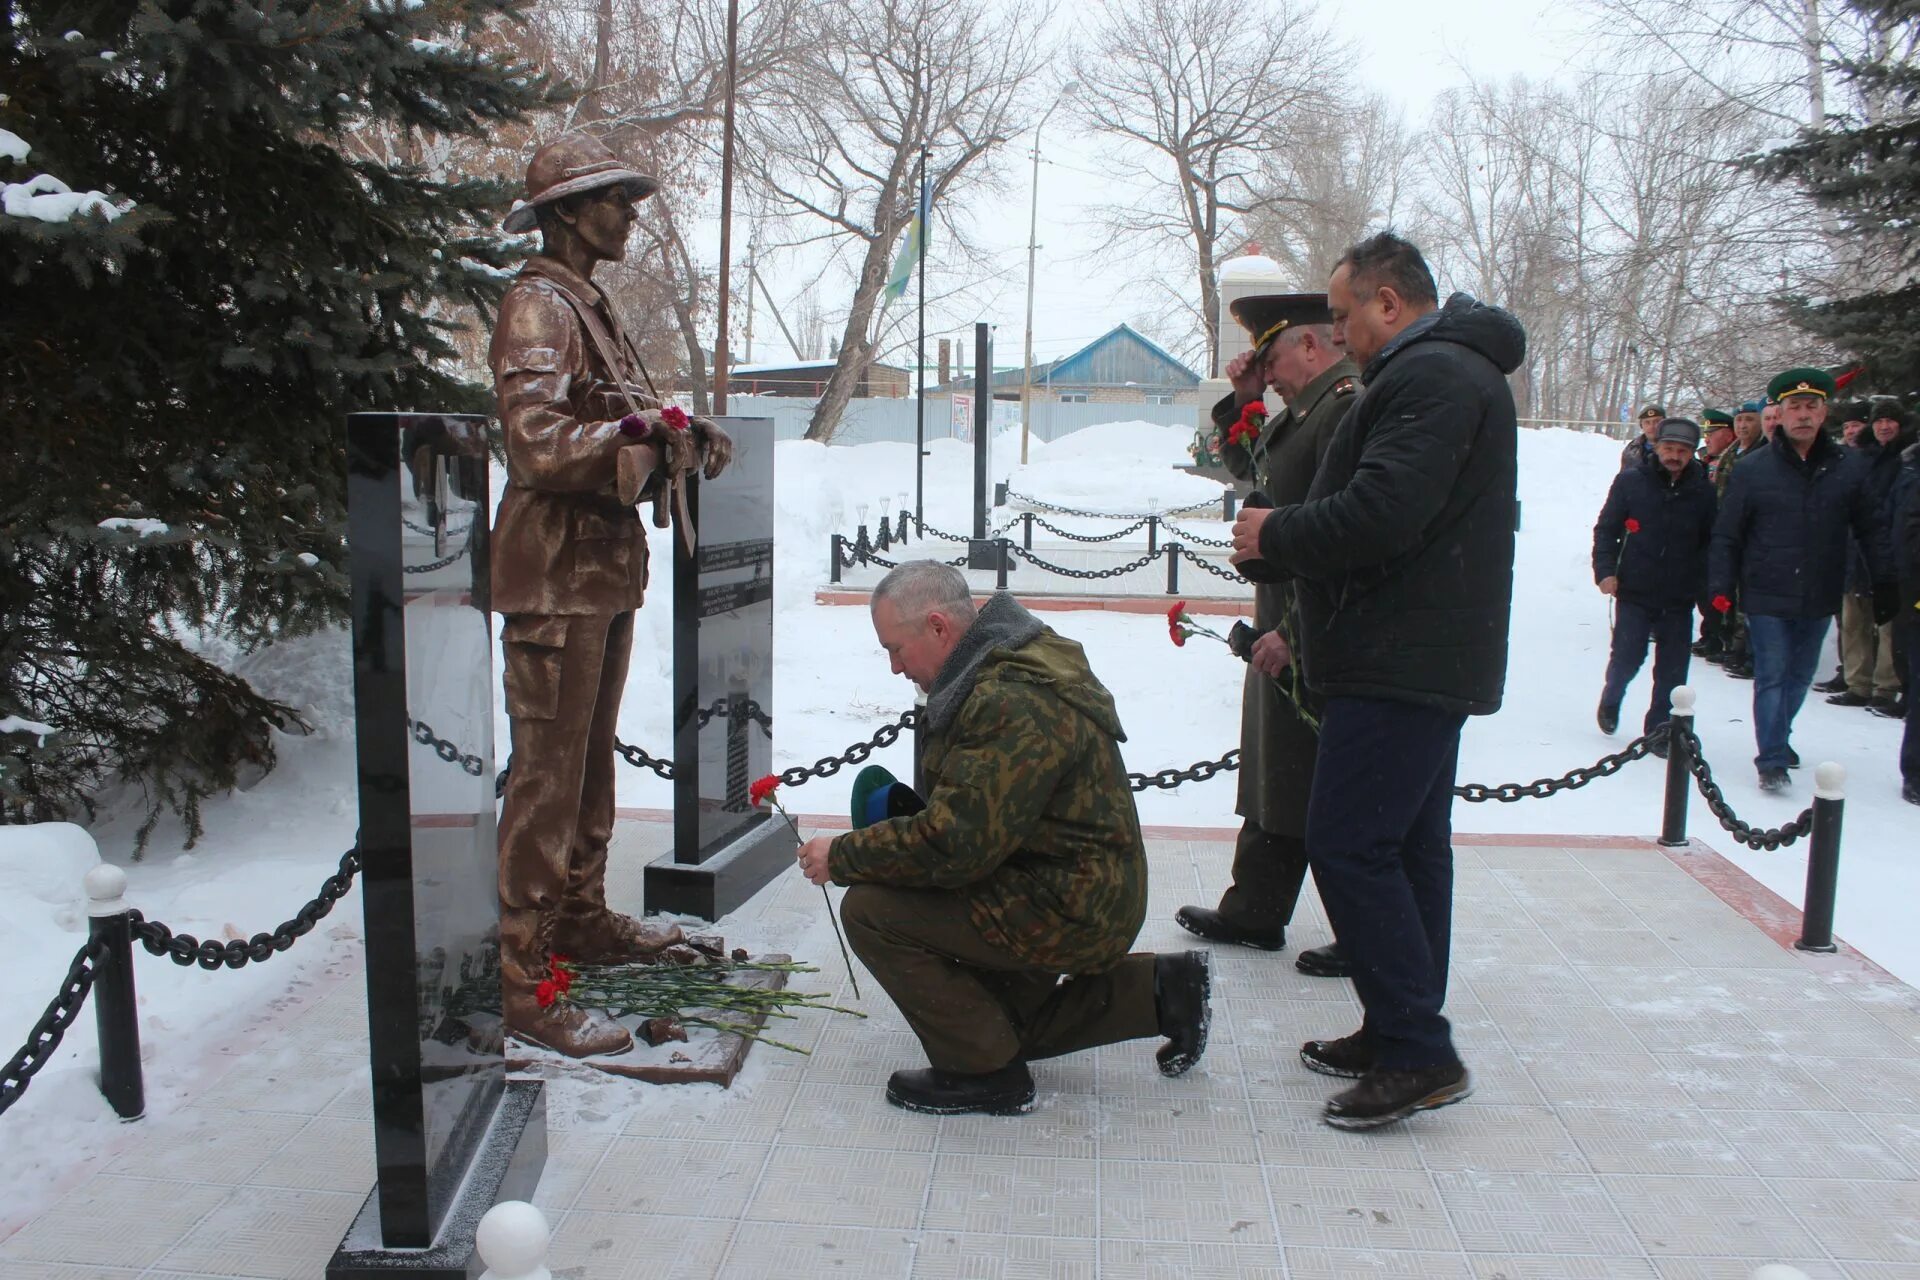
(1173,568)
(833,569)
(900,535)
(884,540)
(115,1010)
(862,544)
(1003,561)
(1226,504)
(1026,533)
(1673,822)
(1153,533)
(1823,859)
(1000,493)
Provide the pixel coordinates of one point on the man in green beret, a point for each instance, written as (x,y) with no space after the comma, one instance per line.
(1782,539)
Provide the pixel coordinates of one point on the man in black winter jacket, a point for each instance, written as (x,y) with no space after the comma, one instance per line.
(1650,555)
(1781,538)
(1403,558)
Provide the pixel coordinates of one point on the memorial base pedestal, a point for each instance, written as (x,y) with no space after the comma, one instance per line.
(506,1166)
(735,872)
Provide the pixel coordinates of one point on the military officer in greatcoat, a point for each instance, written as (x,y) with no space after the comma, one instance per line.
(1293,353)
(586,438)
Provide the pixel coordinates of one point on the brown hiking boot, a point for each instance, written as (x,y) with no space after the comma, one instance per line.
(1383,1096)
(603,936)
(1349,1057)
(526,979)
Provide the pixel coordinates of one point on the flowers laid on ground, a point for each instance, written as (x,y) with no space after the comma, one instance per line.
(675,417)
(760,792)
(670,996)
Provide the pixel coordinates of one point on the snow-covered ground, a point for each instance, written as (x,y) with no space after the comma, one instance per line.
(267,849)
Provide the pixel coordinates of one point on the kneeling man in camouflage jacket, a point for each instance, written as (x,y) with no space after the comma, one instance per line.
(998,915)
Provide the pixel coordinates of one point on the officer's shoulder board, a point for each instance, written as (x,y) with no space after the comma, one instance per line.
(1346,387)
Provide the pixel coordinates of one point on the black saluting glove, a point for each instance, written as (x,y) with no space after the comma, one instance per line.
(1886,603)
(1240,638)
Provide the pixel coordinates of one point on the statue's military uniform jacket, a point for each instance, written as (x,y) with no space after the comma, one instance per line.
(1277,746)
(563,544)
(1028,814)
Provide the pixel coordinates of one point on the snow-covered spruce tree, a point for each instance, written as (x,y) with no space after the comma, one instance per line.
(177,351)
(1864,170)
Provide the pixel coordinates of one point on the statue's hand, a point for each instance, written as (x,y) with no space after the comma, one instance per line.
(715,443)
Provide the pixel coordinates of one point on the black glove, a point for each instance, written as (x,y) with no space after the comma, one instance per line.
(1240,638)
(1258,570)
(1886,603)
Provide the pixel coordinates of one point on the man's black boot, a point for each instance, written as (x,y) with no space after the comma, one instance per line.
(1006,1092)
(1608,718)
(1323,962)
(1774,780)
(1215,927)
(1384,1096)
(1349,1057)
(1847,698)
(1836,685)
(1181,985)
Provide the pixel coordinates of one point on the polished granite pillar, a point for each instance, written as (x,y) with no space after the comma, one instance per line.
(724,850)
(451,1134)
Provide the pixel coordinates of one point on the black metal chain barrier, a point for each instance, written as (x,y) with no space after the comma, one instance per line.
(857,556)
(1212,504)
(826,766)
(1192,773)
(1573,780)
(430,531)
(47,1033)
(1065,572)
(425,736)
(1070,536)
(1207,564)
(1186,536)
(432,565)
(185,949)
(723,706)
(1752,837)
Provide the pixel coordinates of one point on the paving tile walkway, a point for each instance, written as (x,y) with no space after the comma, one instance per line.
(1663,1090)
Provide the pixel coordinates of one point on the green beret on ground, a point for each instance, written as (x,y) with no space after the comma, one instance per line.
(1804,381)
(1711,418)
(1265,316)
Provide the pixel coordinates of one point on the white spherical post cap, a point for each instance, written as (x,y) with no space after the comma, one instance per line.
(1779,1271)
(106,885)
(1683,699)
(1830,780)
(512,1240)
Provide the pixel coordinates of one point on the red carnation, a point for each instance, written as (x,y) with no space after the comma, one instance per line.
(759,791)
(1244,431)
(562,976)
(1633,526)
(546,993)
(674,416)
(1721,604)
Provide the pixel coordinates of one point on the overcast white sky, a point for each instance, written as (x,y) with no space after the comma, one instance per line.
(1411,50)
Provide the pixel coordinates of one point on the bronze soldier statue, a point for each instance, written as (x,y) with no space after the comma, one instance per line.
(1293,352)
(586,438)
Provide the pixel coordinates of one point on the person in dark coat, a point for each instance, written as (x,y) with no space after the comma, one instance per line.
(1906,550)
(1781,538)
(1292,352)
(1403,556)
(1639,450)
(1716,426)
(1869,666)
(1650,554)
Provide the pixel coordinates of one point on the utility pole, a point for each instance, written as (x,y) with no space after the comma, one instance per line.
(726,214)
(753,278)
(1033,236)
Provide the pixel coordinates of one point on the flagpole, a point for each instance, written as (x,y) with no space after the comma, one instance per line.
(920,366)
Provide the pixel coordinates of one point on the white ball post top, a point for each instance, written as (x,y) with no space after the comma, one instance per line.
(106,890)
(1830,781)
(1779,1271)
(1683,700)
(512,1240)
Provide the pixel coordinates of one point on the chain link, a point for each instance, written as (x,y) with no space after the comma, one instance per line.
(1192,773)
(1090,574)
(1194,538)
(1752,837)
(1194,509)
(432,565)
(185,949)
(430,531)
(1573,780)
(424,735)
(1207,564)
(1070,536)
(45,1037)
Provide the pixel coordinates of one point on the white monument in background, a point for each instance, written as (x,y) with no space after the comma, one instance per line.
(1241,277)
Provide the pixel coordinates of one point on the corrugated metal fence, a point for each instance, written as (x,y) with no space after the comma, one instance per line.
(868,421)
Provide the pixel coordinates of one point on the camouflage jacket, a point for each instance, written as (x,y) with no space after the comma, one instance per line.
(1029,814)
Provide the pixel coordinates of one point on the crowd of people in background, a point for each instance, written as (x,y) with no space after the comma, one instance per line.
(1791,513)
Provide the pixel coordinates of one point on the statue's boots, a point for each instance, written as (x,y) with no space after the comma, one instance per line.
(595,934)
(525,963)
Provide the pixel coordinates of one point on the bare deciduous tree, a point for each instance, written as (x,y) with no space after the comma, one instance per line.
(1197,95)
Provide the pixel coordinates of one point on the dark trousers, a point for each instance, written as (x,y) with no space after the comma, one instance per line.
(975,1006)
(1786,652)
(1670,631)
(1379,832)
(1268,871)
(1909,638)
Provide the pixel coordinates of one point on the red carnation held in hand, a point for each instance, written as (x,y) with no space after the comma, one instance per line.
(1633,526)
(1721,604)
(1247,429)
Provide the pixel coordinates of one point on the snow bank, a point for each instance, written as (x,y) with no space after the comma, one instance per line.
(1119,467)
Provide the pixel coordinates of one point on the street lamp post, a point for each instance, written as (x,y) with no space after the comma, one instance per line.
(1033,235)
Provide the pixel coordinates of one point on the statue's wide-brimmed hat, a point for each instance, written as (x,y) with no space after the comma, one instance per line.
(569,165)
(1265,316)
